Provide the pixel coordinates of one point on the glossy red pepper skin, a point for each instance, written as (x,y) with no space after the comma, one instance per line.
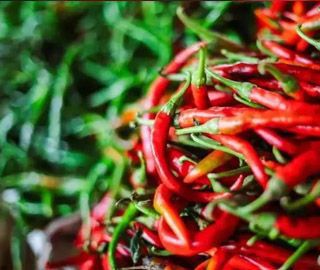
(250,71)
(301,228)
(189,117)
(300,168)
(156,91)
(218,98)
(200,96)
(240,262)
(211,236)
(163,204)
(242,146)
(287,54)
(274,254)
(218,259)
(247,120)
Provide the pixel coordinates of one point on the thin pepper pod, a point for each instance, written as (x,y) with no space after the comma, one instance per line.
(156,91)
(203,240)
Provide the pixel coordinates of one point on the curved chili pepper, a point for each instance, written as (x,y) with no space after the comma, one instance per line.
(171,215)
(198,84)
(203,240)
(156,91)
(241,262)
(159,137)
(242,146)
(212,161)
(275,254)
(285,53)
(128,215)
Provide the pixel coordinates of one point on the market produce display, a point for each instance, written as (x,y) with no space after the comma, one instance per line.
(224,169)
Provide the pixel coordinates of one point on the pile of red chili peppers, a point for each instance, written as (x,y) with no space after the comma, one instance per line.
(226,169)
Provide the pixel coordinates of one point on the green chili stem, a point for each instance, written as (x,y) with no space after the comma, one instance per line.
(211,144)
(199,78)
(127,217)
(184,140)
(143,122)
(242,88)
(209,127)
(264,49)
(239,57)
(277,154)
(288,82)
(247,102)
(146,210)
(229,173)
(256,204)
(304,248)
(309,198)
(308,39)
(170,106)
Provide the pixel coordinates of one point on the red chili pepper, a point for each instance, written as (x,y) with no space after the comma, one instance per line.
(302,228)
(159,138)
(303,73)
(287,54)
(218,260)
(240,262)
(274,254)
(242,146)
(266,98)
(313,131)
(312,90)
(218,98)
(162,203)
(156,91)
(211,236)
(277,6)
(198,84)
(245,121)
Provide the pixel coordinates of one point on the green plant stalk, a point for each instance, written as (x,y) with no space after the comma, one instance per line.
(127,217)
